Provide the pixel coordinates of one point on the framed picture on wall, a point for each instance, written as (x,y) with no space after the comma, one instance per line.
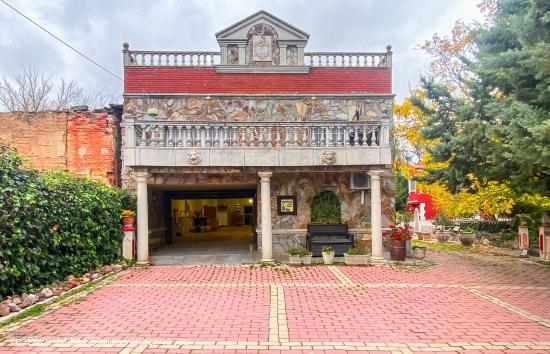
(287,205)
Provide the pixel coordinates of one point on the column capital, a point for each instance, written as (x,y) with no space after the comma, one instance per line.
(376,174)
(141,176)
(265,175)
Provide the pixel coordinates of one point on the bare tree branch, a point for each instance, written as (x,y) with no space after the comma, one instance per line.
(31,92)
(68,94)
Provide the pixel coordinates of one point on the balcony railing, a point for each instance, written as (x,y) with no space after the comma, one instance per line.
(259,134)
(210,59)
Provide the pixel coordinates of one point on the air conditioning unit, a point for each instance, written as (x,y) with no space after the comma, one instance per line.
(360,181)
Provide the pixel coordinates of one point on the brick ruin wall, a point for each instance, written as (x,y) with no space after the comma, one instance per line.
(82,143)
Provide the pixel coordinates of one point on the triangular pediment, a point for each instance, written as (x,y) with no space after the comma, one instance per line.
(284,30)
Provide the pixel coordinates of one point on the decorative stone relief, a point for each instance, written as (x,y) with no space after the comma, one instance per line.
(232,54)
(270,37)
(194,157)
(328,157)
(261,109)
(261,48)
(292,55)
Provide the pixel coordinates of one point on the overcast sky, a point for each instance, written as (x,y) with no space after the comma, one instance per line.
(98,28)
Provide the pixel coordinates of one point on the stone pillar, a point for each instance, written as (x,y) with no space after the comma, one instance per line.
(282,54)
(376,216)
(265,200)
(142,219)
(301,54)
(242,53)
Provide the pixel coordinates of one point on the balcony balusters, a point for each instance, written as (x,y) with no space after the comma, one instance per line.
(261,134)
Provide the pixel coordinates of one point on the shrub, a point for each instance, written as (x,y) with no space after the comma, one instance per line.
(326,209)
(298,251)
(53,224)
(492,227)
(327,249)
(356,251)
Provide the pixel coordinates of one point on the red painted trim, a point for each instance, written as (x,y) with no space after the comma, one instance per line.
(207,80)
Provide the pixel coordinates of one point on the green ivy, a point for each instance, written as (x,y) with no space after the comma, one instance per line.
(326,209)
(53,224)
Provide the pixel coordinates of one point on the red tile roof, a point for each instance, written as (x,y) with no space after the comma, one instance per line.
(208,81)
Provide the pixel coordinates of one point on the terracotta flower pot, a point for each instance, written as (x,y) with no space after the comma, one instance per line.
(398,250)
(128,222)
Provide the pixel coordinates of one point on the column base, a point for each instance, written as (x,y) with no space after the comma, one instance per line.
(377,260)
(267,261)
(143,263)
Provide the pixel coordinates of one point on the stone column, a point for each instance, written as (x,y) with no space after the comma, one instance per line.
(242,53)
(282,54)
(376,215)
(265,200)
(142,219)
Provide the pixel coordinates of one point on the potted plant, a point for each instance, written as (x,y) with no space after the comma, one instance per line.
(299,256)
(355,256)
(466,236)
(442,224)
(128,219)
(398,236)
(328,254)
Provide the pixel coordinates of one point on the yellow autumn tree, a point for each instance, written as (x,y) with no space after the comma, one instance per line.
(491,198)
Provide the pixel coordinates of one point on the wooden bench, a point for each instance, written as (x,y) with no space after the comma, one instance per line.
(336,236)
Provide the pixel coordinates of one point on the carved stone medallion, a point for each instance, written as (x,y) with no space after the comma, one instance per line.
(261,48)
(328,157)
(194,157)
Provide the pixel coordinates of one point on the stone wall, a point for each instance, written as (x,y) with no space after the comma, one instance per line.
(260,108)
(82,143)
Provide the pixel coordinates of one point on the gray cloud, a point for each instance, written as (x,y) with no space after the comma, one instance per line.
(98,28)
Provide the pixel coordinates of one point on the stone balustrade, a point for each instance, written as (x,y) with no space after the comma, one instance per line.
(211,59)
(343,59)
(261,134)
(154,58)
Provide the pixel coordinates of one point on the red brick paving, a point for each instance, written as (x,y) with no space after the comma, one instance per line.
(459,269)
(173,313)
(230,275)
(533,300)
(403,315)
(162,303)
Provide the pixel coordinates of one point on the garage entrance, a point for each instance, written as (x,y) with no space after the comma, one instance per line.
(209,227)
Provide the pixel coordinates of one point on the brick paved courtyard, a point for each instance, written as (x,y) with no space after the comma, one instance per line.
(467,303)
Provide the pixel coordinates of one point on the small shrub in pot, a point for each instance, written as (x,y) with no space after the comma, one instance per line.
(299,256)
(355,256)
(328,254)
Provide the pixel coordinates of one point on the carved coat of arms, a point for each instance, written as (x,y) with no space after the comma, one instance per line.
(328,157)
(194,157)
(261,48)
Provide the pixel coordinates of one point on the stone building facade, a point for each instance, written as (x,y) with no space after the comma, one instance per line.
(265,115)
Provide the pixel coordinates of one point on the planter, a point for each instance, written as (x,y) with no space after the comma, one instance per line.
(467,238)
(299,260)
(419,252)
(443,236)
(398,250)
(356,259)
(328,258)
(128,222)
